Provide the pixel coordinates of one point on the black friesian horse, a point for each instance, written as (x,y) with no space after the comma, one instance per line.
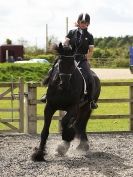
(65,91)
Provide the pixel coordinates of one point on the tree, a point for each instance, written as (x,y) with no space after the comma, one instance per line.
(52,40)
(8,41)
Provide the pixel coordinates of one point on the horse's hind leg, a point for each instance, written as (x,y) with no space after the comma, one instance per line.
(39,153)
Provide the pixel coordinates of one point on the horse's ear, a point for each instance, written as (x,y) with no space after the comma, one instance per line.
(60,45)
(60,48)
(57,48)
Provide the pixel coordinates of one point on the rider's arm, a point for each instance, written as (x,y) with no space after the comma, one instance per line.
(90,47)
(68,37)
(66,42)
(90,52)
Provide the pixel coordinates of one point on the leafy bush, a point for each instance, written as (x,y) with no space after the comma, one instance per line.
(29,72)
(121,63)
(103,53)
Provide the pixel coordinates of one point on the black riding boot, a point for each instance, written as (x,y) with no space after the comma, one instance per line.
(44,98)
(45,83)
(93,105)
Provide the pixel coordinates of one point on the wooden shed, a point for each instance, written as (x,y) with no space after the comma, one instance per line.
(11,53)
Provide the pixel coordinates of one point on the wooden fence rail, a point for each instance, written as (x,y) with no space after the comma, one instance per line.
(31,104)
(9,94)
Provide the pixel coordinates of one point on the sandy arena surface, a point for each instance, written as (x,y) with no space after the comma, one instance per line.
(113,73)
(110,155)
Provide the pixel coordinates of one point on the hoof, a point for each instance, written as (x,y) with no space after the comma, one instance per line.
(83,146)
(63,148)
(38,156)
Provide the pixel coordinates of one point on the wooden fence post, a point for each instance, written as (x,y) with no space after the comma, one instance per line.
(21,105)
(131,108)
(31,122)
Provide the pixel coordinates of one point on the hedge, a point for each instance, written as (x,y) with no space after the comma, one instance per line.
(29,72)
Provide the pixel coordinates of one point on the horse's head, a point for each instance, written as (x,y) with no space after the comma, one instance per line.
(66,65)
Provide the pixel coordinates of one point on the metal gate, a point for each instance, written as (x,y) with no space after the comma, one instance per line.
(12,106)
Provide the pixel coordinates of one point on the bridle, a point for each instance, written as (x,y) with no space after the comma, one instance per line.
(76,66)
(61,74)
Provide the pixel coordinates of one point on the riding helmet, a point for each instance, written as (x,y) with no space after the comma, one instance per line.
(84,17)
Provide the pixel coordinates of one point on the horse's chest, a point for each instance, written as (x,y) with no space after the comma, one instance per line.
(63,98)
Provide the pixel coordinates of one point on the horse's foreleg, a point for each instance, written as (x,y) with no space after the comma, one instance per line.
(68,123)
(68,130)
(66,136)
(83,145)
(40,152)
(81,128)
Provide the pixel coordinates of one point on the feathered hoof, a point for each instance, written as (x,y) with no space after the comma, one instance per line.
(63,148)
(38,156)
(83,146)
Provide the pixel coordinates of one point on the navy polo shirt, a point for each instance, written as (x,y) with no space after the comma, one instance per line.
(80,40)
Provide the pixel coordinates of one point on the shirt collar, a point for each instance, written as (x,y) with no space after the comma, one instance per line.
(80,30)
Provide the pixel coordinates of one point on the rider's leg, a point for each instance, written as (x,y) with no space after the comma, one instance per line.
(46,82)
(44,98)
(91,93)
(91,86)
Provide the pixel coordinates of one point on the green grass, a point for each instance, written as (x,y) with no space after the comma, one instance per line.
(104,109)
(93,125)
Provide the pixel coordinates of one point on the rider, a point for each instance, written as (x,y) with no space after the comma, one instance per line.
(82,44)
